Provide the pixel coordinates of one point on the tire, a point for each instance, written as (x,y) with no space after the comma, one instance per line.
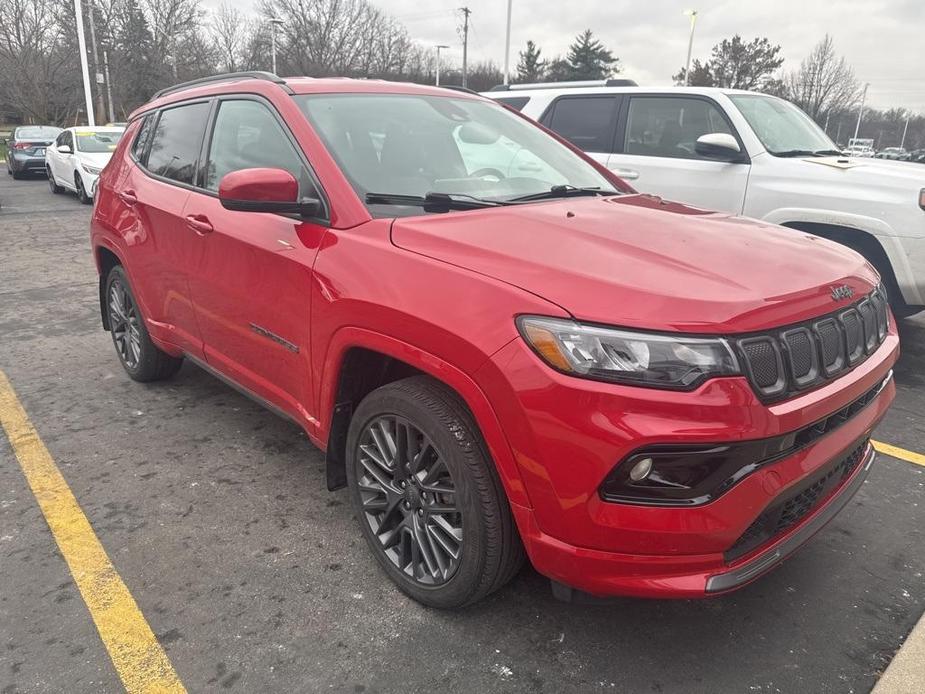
(17,175)
(81,192)
(55,188)
(474,518)
(142,360)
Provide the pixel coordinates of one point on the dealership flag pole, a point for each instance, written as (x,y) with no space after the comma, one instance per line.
(82,45)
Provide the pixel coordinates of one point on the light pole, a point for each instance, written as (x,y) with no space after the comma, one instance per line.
(902,144)
(507,43)
(438,61)
(82,46)
(112,109)
(690,45)
(274,22)
(861,110)
(171,58)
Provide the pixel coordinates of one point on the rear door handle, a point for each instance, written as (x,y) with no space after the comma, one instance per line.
(128,197)
(199,223)
(628,174)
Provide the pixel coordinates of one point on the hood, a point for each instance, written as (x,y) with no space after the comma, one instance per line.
(859,168)
(97,159)
(638,261)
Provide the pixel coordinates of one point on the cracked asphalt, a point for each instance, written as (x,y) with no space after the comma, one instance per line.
(254,578)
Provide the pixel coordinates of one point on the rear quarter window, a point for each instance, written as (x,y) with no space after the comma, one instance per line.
(176,141)
(515,102)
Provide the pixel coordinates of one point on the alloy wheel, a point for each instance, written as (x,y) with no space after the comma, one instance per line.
(123,322)
(408,498)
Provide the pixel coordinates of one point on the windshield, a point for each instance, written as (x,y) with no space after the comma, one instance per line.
(97,142)
(37,132)
(780,125)
(413,145)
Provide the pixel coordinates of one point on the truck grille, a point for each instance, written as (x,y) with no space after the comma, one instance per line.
(799,357)
(786,513)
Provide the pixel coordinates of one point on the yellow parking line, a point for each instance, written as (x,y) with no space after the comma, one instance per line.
(901,453)
(139,659)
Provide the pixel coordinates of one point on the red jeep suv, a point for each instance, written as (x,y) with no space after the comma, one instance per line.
(502,348)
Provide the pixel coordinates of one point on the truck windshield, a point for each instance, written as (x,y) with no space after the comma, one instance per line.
(783,129)
(398,150)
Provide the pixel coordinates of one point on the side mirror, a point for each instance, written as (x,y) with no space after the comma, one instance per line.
(722,146)
(65,149)
(265,190)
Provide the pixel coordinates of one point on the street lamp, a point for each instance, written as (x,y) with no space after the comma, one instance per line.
(690,45)
(84,68)
(507,43)
(861,110)
(274,22)
(438,61)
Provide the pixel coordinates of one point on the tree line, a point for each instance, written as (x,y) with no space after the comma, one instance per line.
(145,45)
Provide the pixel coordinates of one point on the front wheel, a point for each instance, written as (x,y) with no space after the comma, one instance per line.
(427,495)
(142,360)
(81,191)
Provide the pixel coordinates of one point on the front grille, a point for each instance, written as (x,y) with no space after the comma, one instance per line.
(799,357)
(790,510)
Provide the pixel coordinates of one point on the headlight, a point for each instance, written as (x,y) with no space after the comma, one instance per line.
(91,169)
(675,362)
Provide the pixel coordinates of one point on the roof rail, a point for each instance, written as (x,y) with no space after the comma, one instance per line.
(459,88)
(613,82)
(224,77)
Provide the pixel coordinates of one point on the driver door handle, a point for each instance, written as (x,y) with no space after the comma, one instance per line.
(199,223)
(128,197)
(628,174)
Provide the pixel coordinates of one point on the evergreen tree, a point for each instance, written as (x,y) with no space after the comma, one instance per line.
(530,67)
(589,60)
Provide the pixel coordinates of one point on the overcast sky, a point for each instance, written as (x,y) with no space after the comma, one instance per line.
(884,40)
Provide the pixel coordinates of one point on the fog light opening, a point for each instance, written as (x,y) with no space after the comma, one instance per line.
(641,470)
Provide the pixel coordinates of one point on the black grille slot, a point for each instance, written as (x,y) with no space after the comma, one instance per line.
(832,344)
(798,357)
(796,505)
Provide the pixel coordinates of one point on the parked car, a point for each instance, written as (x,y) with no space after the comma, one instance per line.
(749,154)
(895,153)
(26,149)
(648,398)
(917,155)
(76,158)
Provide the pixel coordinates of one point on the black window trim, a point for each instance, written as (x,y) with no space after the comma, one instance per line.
(620,139)
(205,144)
(617,97)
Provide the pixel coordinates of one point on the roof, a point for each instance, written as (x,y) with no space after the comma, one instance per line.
(552,88)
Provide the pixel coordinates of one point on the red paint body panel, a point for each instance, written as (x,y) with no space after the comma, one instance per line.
(275,304)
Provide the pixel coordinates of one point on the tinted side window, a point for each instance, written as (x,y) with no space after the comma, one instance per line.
(144,134)
(62,138)
(176,141)
(247,136)
(517,102)
(585,121)
(670,126)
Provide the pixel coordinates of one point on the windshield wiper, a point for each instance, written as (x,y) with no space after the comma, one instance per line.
(433,202)
(563,191)
(805,153)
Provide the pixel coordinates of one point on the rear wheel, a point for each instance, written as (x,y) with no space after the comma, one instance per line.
(427,496)
(81,191)
(140,357)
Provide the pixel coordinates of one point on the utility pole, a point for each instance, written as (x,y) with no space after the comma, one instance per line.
(902,144)
(690,45)
(440,46)
(97,75)
(465,76)
(112,109)
(82,47)
(861,110)
(507,44)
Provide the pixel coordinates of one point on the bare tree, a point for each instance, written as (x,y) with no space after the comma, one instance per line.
(230,35)
(824,83)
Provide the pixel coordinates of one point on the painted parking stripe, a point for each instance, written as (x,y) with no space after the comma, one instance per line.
(136,654)
(901,453)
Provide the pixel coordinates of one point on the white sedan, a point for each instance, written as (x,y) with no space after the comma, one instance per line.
(76,158)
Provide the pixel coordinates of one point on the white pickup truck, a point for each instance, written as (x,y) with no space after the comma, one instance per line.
(749,154)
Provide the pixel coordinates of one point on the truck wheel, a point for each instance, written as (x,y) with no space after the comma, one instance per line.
(142,360)
(427,495)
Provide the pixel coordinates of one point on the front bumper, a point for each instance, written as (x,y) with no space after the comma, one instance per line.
(567,435)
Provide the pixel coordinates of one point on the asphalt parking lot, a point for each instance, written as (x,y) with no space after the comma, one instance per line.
(254,578)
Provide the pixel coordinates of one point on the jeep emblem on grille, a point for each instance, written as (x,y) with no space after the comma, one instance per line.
(842,291)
